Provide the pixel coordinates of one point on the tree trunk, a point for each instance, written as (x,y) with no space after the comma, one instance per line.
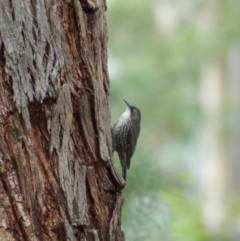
(57,177)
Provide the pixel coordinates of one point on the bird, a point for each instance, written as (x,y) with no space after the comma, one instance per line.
(125,133)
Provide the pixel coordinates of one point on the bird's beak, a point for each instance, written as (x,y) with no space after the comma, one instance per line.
(127,104)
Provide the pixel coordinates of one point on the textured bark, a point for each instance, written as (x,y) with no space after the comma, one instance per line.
(57,180)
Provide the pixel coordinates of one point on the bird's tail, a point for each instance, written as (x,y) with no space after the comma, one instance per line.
(124,172)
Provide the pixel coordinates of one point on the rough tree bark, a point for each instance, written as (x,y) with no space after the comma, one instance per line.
(57,180)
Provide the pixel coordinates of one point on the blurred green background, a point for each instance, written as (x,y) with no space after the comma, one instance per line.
(178,61)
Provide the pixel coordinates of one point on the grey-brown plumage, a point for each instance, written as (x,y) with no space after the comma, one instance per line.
(125,134)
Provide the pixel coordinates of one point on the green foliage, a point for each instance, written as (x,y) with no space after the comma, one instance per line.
(159,73)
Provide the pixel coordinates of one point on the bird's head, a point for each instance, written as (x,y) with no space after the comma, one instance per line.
(134,112)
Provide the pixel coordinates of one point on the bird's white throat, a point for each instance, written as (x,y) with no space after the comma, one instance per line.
(125,117)
(126,114)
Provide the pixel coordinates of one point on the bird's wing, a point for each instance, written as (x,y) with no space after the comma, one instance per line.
(133,136)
